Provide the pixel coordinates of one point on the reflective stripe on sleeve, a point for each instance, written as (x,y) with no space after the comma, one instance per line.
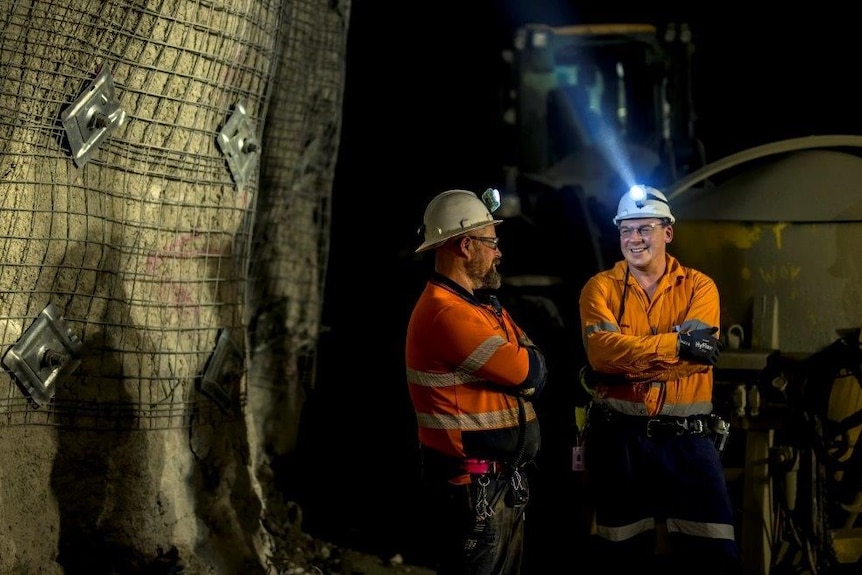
(464,374)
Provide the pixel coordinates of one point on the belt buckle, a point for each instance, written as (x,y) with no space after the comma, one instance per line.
(696,426)
(656,426)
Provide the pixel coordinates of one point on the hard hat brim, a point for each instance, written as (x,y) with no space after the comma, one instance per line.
(437,242)
(670,219)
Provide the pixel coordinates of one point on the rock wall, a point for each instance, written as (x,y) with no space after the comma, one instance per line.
(159,288)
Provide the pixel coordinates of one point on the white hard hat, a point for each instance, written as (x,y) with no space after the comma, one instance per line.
(643,202)
(453,213)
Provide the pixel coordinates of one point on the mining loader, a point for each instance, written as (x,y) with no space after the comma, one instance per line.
(593,109)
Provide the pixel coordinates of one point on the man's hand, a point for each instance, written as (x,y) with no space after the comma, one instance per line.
(699,345)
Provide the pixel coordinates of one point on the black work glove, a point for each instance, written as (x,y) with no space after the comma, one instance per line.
(536,377)
(699,345)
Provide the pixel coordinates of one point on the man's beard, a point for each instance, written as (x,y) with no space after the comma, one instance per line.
(489,279)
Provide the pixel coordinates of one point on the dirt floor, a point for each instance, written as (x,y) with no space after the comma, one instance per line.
(305,555)
(364,564)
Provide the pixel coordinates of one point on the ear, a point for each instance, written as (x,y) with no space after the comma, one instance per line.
(460,245)
(668,234)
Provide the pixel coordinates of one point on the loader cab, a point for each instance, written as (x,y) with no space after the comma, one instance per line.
(605,87)
(592,110)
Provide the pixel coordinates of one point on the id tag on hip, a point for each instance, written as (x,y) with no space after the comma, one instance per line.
(577,458)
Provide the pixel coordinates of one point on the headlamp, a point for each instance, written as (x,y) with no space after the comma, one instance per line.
(491,199)
(641,196)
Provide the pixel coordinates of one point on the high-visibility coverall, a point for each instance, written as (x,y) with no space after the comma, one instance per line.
(472,373)
(637,479)
(641,346)
(470,369)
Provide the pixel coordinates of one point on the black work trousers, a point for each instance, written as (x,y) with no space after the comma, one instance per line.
(478,528)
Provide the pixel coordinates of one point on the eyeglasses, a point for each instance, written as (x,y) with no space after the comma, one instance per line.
(645,230)
(492,243)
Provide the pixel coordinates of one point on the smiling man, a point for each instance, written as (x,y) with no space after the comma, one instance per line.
(654,470)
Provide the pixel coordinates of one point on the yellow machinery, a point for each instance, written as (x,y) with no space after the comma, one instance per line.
(593,109)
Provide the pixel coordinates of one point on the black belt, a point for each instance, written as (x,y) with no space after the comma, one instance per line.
(661,425)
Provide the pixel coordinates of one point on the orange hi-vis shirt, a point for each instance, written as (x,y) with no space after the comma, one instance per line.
(640,349)
(468,367)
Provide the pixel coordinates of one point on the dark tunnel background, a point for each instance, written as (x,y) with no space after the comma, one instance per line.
(421,115)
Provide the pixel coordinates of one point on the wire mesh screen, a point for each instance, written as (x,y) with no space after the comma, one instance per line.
(129,228)
(291,236)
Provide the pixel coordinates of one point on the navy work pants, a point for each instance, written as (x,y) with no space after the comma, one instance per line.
(637,482)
